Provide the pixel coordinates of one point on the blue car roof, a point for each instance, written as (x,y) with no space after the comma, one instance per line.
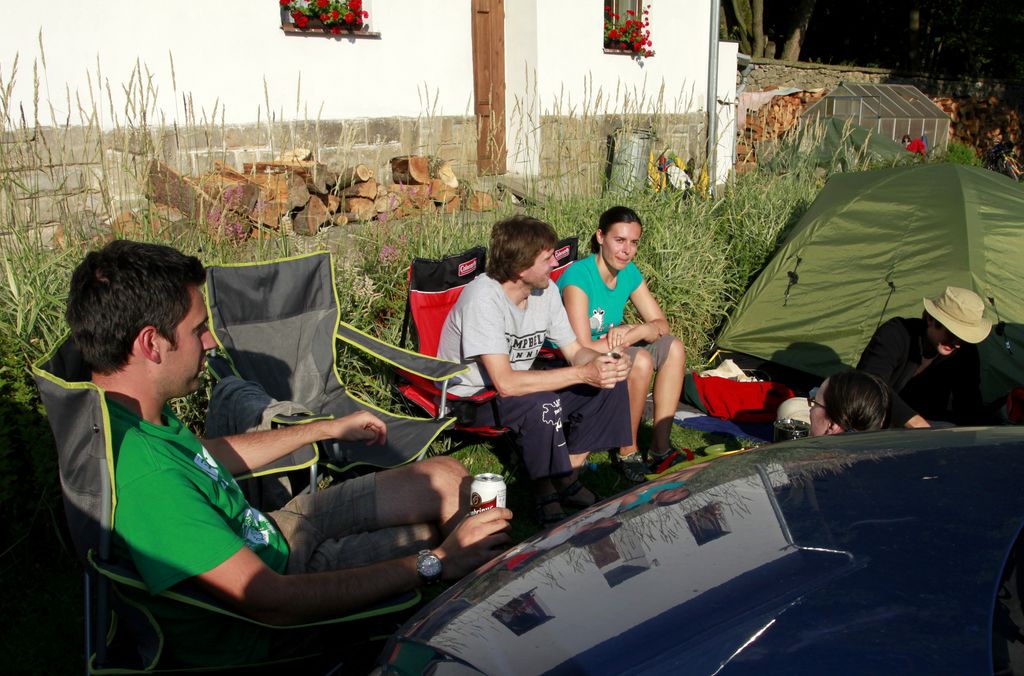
(872,551)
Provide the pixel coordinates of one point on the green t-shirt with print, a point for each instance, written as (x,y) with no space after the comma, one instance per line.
(604,306)
(180,513)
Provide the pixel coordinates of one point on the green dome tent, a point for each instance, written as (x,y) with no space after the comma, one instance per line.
(870,247)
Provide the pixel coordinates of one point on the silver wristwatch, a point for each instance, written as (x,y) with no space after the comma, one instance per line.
(428,566)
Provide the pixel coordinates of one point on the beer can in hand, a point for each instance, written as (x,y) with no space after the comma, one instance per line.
(486,491)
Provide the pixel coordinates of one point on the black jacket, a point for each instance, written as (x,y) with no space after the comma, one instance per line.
(949,389)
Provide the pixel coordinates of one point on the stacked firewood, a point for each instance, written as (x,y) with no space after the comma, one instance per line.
(769,122)
(981,123)
(297,192)
(425,184)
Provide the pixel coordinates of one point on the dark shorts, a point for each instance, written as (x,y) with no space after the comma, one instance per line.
(553,425)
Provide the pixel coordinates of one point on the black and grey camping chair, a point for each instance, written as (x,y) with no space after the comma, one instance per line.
(121,634)
(276,324)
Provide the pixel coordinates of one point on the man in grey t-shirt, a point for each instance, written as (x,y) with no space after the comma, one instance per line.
(497,328)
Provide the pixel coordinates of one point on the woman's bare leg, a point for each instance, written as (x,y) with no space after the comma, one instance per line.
(668,386)
(638,383)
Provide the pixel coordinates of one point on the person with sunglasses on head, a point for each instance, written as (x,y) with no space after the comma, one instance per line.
(852,401)
(932,363)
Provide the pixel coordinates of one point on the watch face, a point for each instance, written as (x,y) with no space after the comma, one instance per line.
(428,565)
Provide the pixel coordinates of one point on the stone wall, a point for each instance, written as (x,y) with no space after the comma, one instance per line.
(78,177)
(768,73)
(55,176)
(369,141)
(575,151)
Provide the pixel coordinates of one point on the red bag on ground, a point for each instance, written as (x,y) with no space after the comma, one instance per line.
(755,402)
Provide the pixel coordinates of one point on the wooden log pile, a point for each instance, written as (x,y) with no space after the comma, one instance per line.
(769,122)
(977,122)
(298,192)
(981,123)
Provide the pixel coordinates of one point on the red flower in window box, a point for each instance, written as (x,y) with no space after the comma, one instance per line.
(336,16)
(632,35)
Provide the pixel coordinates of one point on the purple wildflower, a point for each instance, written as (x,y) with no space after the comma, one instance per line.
(233,196)
(215,216)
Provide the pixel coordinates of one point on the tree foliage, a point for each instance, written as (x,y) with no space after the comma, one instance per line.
(943,37)
(761,25)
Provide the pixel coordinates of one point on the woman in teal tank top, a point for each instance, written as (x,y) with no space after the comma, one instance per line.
(595,291)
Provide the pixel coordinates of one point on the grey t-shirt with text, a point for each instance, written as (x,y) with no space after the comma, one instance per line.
(485,321)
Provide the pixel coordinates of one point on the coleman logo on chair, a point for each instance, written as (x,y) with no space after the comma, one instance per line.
(467,267)
(562,253)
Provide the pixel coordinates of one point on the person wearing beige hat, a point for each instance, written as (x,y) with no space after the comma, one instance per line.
(932,363)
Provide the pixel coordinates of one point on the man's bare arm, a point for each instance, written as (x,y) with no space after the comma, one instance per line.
(247,584)
(588,367)
(243,452)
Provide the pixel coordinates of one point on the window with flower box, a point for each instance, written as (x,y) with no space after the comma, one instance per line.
(330,18)
(627,28)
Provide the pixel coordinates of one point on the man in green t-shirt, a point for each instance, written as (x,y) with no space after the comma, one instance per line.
(137,316)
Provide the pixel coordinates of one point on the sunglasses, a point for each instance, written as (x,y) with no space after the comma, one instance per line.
(812,400)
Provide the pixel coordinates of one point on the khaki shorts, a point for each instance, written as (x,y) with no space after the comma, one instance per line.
(658,350)
(337,528)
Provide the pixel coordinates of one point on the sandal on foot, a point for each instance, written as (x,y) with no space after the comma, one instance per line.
(568,496)
(545,518)
(632,466)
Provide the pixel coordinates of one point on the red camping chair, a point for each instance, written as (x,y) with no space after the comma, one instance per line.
(434,287)
(567,251)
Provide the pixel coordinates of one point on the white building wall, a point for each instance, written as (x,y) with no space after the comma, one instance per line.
(231,60)
(574,69)
(231,57)
(521,105)
(726,146)
(556,65)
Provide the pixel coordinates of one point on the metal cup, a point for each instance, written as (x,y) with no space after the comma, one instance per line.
(789,428)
